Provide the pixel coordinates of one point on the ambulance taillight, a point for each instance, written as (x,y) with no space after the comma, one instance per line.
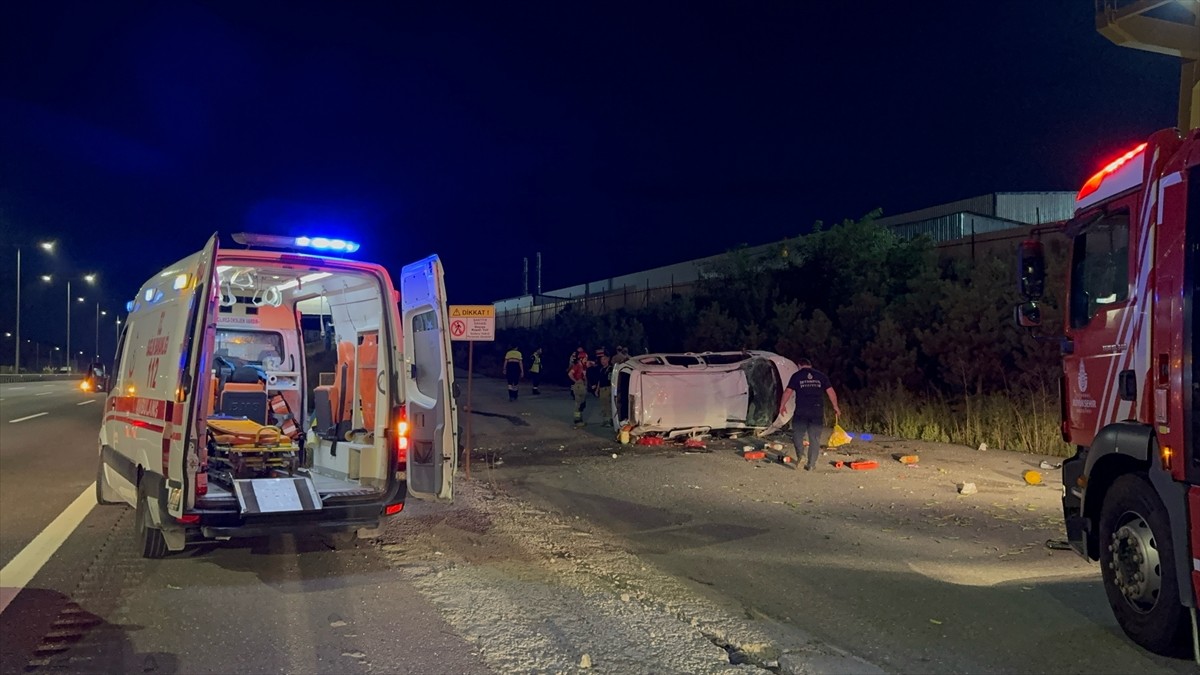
(399,433)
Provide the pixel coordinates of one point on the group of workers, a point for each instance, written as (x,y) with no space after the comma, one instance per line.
(587,375)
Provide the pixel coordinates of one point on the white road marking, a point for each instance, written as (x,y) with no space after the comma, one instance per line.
(86,402)
(15,388)
(21,569)
(22,419)
(44,393)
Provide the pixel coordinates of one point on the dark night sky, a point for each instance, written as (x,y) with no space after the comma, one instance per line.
(612,137)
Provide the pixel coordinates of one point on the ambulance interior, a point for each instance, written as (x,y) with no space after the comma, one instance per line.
(297,351)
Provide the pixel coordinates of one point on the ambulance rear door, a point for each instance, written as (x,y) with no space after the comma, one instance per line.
(199,296)
(427,374)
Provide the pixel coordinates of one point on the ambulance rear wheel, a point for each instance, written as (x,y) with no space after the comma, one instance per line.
(148,539)
(1137,562)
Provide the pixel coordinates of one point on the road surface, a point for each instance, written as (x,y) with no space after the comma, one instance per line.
(280,605)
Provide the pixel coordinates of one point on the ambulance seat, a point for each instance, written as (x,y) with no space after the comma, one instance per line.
(368,368)
(341,395)
(245,395)
(323,408)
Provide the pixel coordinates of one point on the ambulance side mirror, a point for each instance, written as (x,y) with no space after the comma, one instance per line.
(1031,270)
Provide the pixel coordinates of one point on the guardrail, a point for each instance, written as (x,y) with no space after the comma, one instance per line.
(39,377)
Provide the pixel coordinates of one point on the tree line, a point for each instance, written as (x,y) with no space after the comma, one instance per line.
(922,346)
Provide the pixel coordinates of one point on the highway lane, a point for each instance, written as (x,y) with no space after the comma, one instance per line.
(47,455)
(285,604)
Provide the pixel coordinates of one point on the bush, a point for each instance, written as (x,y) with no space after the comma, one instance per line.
(917,348)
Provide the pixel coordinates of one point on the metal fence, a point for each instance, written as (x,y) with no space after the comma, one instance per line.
(39,377)
(602,303)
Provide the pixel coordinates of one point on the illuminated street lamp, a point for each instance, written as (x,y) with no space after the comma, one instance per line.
(91,279)
(48,247)
(99,313)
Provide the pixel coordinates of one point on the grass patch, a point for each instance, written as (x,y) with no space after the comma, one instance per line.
(1025,421)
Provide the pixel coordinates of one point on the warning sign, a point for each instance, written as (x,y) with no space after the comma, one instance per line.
(472,323)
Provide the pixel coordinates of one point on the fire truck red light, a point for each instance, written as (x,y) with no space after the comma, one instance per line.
(1096,180)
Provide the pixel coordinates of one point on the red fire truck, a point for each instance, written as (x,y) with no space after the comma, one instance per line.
(1130,387)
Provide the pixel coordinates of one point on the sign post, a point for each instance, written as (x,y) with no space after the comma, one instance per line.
(471,324)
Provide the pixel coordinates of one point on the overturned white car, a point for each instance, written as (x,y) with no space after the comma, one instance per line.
(677,394)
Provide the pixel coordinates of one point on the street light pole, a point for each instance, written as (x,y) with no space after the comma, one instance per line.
(17,355)
(68,354)
(96,352)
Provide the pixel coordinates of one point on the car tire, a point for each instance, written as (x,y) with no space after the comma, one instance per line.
(103,489)
(148,539)
(1137,563)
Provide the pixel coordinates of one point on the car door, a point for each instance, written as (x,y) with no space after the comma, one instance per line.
(427,373)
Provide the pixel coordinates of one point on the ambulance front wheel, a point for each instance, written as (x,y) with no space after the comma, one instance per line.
(147,538)
(104,491)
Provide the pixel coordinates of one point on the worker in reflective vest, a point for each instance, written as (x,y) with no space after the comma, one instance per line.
(514,370)
(535,371)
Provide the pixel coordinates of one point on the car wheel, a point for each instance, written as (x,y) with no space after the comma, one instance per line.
(148,539)
(1137,562)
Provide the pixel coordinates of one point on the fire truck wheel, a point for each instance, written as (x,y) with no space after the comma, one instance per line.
(1138,565)
(148,539)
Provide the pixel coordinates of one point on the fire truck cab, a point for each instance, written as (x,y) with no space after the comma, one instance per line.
(1130,384)
(258,392)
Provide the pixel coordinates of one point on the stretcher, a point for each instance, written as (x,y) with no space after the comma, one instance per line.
(241,448)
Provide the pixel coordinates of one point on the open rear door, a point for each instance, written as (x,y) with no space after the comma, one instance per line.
(198,296)
(427,373)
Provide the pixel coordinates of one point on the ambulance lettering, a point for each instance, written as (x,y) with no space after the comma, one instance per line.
(155,348)
(148,407)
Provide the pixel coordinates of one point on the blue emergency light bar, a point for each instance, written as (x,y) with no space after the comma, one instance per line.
(324,244)
(295,243)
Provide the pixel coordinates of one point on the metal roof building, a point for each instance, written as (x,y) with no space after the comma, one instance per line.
(980,215)
(947,224)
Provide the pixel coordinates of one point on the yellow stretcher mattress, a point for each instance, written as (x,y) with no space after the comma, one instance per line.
(249,435)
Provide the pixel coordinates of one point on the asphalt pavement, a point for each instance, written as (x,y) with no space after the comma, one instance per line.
(270,605)
(48,436)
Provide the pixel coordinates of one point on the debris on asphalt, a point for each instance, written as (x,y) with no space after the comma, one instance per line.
(983,447)
(585,661)
(967,489)
(1048,465)
(906,459)
(1032,477)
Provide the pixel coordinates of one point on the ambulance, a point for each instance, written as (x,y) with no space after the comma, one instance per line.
(277,389)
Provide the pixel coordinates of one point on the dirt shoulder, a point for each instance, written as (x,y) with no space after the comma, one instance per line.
(891,564)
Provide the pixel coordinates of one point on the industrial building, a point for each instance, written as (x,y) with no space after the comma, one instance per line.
(965,228)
